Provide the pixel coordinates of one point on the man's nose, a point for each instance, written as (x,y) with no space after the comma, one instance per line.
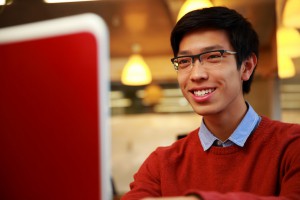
(198,71)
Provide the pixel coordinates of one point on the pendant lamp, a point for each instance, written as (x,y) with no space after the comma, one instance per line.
(291,14)
(5,2)
(136,71)
(288,43)
(286,68)
(190,5)
(65,1)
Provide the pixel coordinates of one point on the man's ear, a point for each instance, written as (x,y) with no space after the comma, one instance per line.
(248,67)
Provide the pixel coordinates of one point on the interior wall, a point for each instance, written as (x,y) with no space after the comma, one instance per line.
(134,137)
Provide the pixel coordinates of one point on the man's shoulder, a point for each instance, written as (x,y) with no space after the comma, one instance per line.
(280,126)
(279,132)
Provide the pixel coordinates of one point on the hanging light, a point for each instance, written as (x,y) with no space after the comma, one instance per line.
(286,68)
(190,5)
(291,14)
(65,1)
(5,2)
(288,42)
(136,71)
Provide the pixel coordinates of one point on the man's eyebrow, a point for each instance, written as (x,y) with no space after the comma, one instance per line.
(214,47)
(182,53)
(209,48)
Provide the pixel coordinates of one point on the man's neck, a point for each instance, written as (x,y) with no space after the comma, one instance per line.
(222,125)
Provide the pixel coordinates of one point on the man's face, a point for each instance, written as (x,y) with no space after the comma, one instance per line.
(211,90)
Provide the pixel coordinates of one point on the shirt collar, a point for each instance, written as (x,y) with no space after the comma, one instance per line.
(238,137)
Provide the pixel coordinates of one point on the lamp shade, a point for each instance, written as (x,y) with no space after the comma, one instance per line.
(5,2)
(291,14)
(190,5)
(136,71)
(65,1)
(288,42)
(286,68)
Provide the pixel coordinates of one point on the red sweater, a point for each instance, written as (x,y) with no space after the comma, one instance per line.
(267,167)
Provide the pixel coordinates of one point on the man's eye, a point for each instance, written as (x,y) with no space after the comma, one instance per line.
(183,61)
(213,56)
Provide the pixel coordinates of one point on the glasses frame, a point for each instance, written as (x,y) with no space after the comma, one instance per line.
(222,51)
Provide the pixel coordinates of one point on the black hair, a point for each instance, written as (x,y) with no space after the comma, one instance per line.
(242,36)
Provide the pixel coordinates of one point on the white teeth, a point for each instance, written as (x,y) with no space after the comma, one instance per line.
(203,92)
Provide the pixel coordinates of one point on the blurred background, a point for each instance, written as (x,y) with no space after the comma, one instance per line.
(151,112)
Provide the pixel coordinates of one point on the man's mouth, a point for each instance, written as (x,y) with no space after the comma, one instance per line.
(201,93)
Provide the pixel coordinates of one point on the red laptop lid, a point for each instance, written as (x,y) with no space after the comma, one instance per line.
(54,136)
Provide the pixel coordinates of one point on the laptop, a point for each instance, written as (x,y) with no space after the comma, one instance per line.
(54,113)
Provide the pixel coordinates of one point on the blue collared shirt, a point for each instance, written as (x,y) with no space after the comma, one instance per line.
(238,137)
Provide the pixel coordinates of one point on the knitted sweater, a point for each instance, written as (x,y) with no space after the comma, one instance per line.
(267,167)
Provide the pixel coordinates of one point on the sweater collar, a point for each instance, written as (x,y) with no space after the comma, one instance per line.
(238,137)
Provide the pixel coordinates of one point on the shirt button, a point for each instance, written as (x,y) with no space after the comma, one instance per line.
(219,143)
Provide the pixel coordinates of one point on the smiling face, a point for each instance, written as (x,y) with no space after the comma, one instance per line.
(212,90)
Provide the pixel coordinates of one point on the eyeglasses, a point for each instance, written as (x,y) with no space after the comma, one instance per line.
(209,58)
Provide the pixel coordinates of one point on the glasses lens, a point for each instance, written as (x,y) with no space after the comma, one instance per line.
(214,57)
(183,62)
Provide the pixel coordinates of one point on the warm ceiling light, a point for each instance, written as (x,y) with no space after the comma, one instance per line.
(190,5)
(136,71)
(5,2)
(286,68)
(288,42)
(152,95)
(291,14)
(65,1)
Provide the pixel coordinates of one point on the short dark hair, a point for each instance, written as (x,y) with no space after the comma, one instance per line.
(242,35)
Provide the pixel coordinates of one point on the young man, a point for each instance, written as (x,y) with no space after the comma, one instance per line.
(235,154)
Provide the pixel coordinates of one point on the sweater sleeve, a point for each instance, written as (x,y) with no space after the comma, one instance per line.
(146,181)
(237,196)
